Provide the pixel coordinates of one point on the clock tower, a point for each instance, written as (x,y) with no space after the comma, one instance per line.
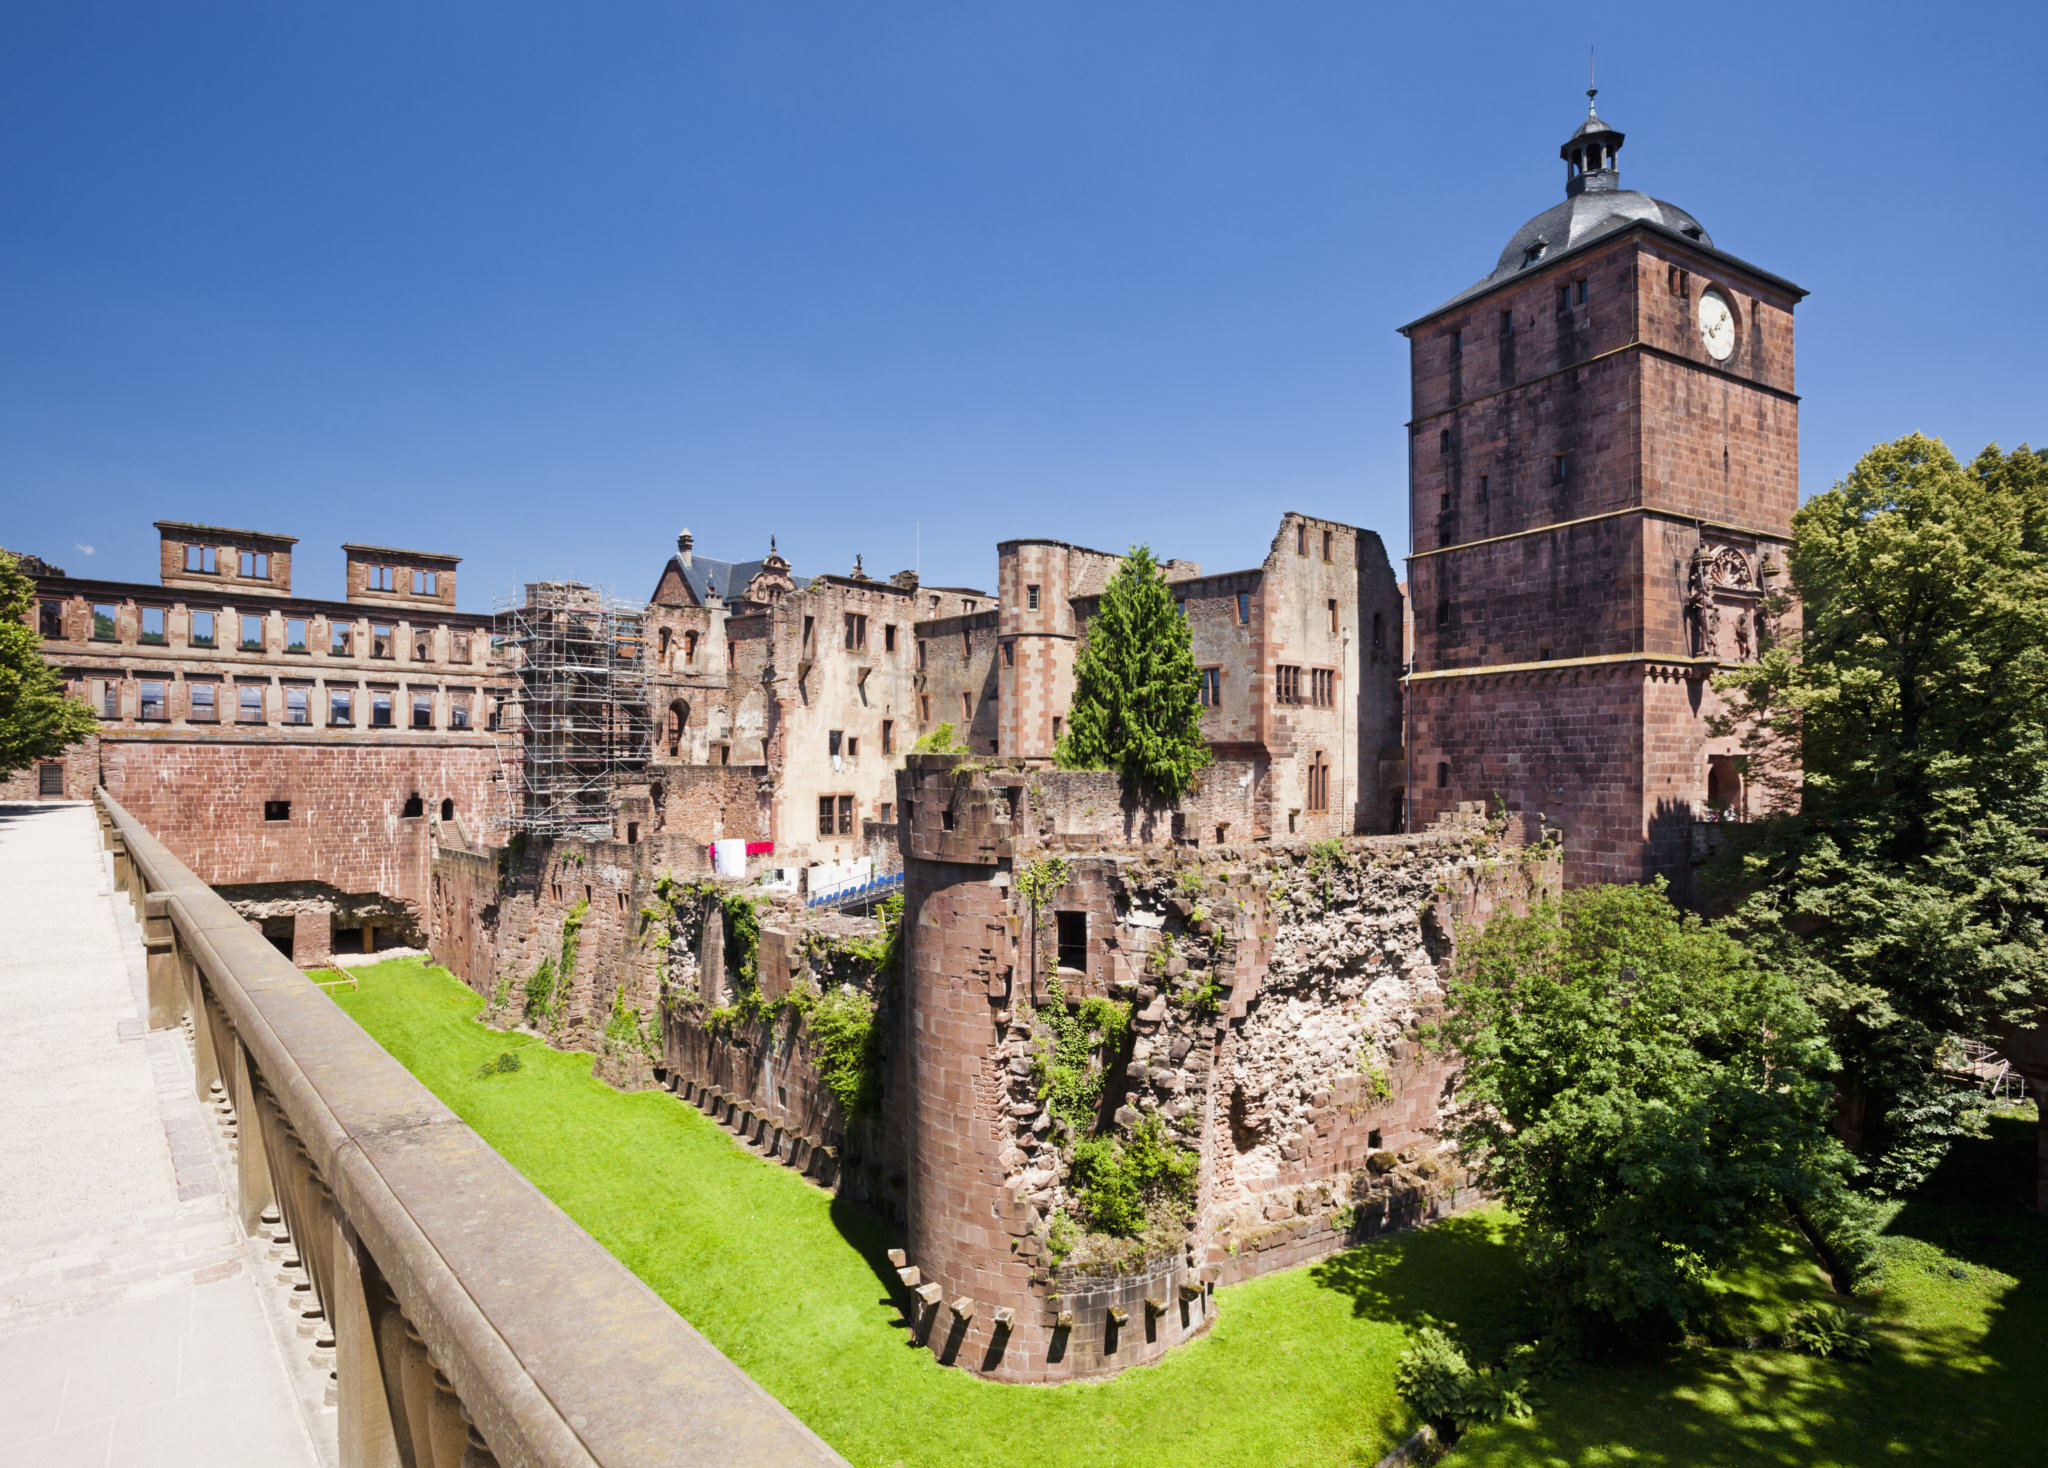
(1603,465)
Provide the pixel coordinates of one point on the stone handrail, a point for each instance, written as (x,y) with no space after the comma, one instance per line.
(474,1323)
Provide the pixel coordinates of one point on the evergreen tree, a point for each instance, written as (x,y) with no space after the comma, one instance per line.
(1911,886)
(1137,692)
(38,720)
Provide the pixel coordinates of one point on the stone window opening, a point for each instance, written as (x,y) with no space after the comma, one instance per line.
(340,708)
(1443,612)
(1507,318)
(1009,654)
(380,711)
(199,704)
(150,700)
(414,807)
(1560,468)
(920,655)
(1333,612)
(426,583)
(1372,1140)
(689,647)
(833,740)
(105,621)
(150,626)
(458,711)
(423,711)
(1222,832)
(50,619)
(1286,684)
(1543,655)
(1211,693)
(678,721)
(381,640)
(295,634)
(924,701)
(1680,283)
(341,638)
(50,779)
(1724,785)
(1244,608)
(846,815)
(1072,928)
(886,814)
(888,637)
(1484,485)
(966,708)
(1443,775)
(966,643)
(1379,631)
(277,810)
(732,654)
(250,710)
(1580,287)
(252,634)
(1318,782)
(946,819)
(1329,544)
(202,559)
(1443,441)
(852,747)
(860,684)
(888,739)
(1457,344)
(1056,722)
(662,649)
(422,647)
(1301,540)
(856,632)
(1444,502)
(295,706)
(379,578)
(1564,299)
(1323,687)
(458,646)
(256,565)
(1292,815)
(107,698)
(1031,597)
(725,754)
(809,624)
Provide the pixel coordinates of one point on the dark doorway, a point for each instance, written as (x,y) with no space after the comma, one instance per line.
(1073,930)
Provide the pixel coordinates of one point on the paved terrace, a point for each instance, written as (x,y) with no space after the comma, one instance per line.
(131,1327)
(234,1231)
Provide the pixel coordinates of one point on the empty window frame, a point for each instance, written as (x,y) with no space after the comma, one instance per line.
(966,643)
(1485,485)
(414,807)
(256,565)
(294,634)
(203,559)
(888,739)
(1379,630)
(423,711)
(422,646)
(835,741)
(50,618)
(920,652)
(249,703)
(1212,687)
(107,698)
(966,708)
(1286,684)
(1443,441)
(458,646)
(732,658)
(380,578)
(383,640)
(1560,468)
(1056,721)
(1443,775)
(924,701)
(888,637)
(380,711)
(1319,783)
(886,814)
(1244,608)
(1329,543)
(448,814)
(1031,597)
(426,583)
(856,632)
(200,703)
(1443,612)
(689,647)
(1507,323)
(277,810)
(846,815)
(1680,283)
(853,747)
(1072,928)
(252,634)
(1301,540)
(149,702)
(1457,344)
(1332,603)
(105,621)
(341,638)
(809,624)
(458,710)
(1009,654)
(149,625)
(827,821)
(341,707)
(296,705)
(1323,687)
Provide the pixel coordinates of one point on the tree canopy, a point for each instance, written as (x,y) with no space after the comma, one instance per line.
(1137,692)
(1911,885)
(1640,1088)
(38,719)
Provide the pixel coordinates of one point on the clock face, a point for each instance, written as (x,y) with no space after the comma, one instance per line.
(1717,325)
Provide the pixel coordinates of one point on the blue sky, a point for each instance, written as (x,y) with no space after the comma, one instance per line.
(540,286)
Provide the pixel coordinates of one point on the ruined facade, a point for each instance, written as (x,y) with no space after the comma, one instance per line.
(1604,462)
(297,753)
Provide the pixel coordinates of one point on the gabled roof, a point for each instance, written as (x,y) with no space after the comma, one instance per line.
(730,577)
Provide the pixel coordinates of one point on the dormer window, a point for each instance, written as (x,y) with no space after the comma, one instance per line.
(1534,253)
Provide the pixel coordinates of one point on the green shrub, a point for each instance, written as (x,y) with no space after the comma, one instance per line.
(1435,1379)
(1829,1330)
(942,740)
(505,1064)
(1122,1182)
(1846,1225)
(540,988)
(848,1049)
(1069,1080)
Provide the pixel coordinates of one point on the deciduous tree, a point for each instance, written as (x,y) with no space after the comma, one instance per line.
(38,719)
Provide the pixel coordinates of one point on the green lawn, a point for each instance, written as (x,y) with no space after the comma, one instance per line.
(1299,1367)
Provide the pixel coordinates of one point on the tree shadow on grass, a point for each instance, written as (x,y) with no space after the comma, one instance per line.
(1465,1270)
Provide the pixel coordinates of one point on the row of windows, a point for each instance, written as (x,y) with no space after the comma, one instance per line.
(394,579)
(856,633)
(1321,686)
(1568,295)
(204,560)
(412,810)
(838,742)
(1482,487)
(208,703)
(250,629)
(835,814)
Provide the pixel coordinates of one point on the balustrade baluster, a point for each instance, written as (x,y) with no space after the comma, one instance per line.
(416,1376)
(449,1431)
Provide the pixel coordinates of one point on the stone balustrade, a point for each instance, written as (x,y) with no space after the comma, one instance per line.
(473,1322)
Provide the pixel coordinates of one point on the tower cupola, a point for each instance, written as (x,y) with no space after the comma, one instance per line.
(1589,155)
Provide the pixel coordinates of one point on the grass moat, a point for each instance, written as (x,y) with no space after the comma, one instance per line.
(1298,1371)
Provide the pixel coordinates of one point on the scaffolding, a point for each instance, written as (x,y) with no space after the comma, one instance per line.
(575,722)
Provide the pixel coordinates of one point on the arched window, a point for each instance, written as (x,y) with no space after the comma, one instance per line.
(447,810)
(678,721)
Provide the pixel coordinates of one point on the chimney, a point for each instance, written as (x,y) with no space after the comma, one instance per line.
(683,544)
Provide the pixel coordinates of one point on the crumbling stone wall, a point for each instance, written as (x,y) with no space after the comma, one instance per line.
(1274,996)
